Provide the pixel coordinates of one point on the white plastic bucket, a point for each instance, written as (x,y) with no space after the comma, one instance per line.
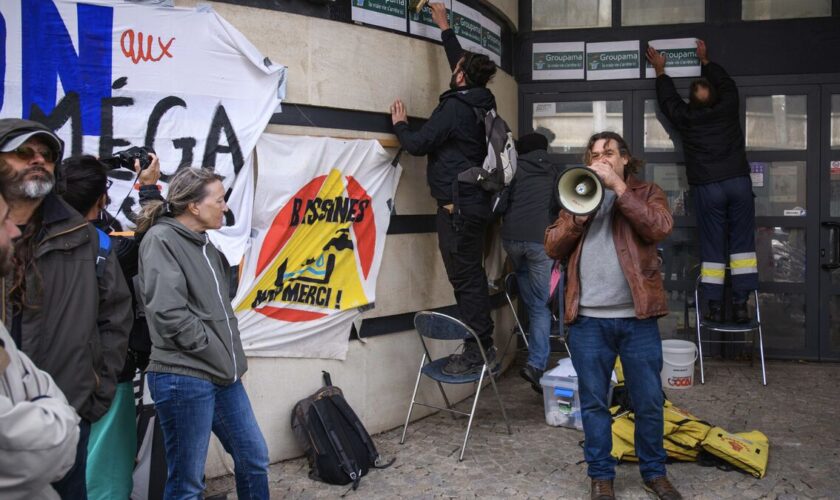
(678,357)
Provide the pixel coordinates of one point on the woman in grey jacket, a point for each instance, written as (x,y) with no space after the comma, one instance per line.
(197,361)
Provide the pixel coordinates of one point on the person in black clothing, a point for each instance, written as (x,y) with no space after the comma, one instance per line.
(719,175)
(454,140)
(532,207)
(87,192)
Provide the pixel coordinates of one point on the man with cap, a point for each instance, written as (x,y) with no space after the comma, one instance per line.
(65,302)
(38,429)
(532,206)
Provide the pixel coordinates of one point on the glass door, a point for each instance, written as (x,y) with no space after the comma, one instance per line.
(829,227)
(781,125)
(569,119)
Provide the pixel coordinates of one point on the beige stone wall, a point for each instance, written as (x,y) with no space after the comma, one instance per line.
(346,66)
(507,8)
(341,65)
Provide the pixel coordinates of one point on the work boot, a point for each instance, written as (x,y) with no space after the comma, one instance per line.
(469,361)
(663,488)
(715,312)
(532,375)
(740,314)
(602,489)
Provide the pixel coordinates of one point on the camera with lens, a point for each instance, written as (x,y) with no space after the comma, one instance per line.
(125,159)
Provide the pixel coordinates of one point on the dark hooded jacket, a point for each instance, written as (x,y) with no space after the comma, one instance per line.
(184,286)
(532,203)
(453,137)
(712,137)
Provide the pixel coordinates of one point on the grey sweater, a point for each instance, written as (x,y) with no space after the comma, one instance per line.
(184,286)
(604,289)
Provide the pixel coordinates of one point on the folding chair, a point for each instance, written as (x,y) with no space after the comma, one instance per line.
(726,328)
(432,325)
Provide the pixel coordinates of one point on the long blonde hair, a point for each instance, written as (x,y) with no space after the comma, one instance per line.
(188,186)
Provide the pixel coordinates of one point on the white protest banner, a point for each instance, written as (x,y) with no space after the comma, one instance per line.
(680,57)
(383,13)
(421,24)
(612,60)
(558,61)
(475,32)
(107,76)
(321,213)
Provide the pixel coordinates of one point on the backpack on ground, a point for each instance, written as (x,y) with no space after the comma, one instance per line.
(499,167)
(337,445)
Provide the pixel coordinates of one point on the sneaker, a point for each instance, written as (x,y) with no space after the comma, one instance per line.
(532,375)
(740,314)
(662,488)
(602,489)
(715,312)
(469,361)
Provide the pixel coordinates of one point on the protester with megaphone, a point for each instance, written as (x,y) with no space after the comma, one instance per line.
(614,295)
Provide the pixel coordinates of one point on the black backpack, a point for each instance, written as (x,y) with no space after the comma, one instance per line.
(337,445)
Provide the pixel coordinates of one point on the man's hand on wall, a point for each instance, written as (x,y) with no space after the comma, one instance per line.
(398,113)
(701,52)
(439,15)
(657,60)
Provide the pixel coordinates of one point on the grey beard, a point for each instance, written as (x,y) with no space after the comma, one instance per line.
(35,189)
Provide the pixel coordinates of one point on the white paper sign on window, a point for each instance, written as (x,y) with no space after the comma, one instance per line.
(558,61)
(612,60)
(680,57)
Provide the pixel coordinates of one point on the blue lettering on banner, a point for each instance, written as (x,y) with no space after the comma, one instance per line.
(48,54)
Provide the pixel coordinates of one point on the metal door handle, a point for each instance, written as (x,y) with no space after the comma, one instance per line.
(833,244)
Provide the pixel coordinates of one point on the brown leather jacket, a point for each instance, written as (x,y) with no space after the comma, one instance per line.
(641,219)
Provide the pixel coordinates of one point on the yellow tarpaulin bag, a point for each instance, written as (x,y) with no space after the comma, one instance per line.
(623,434)
(685,429)
(748,451)
(623,431)
(622,449)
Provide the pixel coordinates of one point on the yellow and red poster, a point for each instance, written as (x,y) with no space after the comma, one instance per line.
(321,213)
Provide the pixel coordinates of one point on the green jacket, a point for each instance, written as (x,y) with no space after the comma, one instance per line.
(78,330)
(184,287)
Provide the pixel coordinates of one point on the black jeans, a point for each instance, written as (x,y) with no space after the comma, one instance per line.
(461,243)
(73,486)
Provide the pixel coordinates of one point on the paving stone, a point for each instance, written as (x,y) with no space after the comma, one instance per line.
(796,411)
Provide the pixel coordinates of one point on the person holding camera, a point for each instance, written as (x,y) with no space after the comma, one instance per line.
(72,321)
(113,439)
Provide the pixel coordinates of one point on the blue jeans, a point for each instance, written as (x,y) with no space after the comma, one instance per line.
(594,344)
(533,275)
(188,409)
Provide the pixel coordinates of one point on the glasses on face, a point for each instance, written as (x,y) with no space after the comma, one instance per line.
(108,184)
(27,153)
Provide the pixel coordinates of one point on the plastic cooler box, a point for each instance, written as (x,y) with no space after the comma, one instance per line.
(560,396)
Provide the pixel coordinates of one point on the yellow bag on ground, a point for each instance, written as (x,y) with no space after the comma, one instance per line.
(682,428)
(748,451)
(623,435)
